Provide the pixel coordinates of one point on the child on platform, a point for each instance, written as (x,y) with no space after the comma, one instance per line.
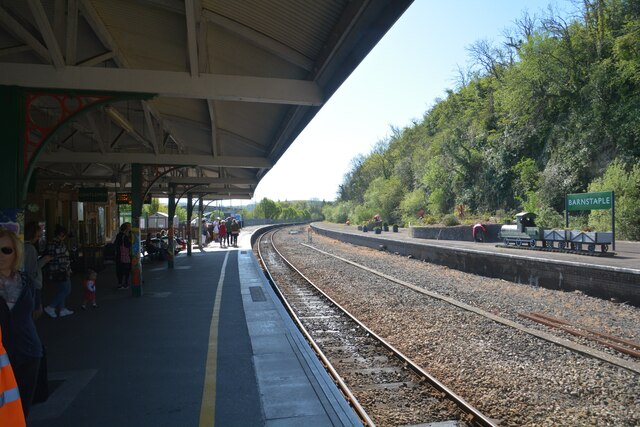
(89,286)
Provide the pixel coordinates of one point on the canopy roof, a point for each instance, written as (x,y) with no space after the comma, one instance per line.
(206,94)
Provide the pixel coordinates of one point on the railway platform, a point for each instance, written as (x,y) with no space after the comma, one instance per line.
(612,277)
(207,344)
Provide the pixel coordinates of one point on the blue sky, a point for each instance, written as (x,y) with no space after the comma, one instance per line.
(414,63)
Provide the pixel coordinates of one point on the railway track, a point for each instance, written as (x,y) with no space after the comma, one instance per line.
(383,386)
(623,346)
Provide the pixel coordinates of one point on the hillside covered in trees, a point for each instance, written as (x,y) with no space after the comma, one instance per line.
(554,109)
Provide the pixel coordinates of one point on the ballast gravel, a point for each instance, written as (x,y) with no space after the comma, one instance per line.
(509,375)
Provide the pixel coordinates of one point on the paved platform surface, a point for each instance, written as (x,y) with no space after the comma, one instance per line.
(627,254)
(207,344)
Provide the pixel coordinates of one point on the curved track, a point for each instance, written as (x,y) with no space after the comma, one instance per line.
(382,384)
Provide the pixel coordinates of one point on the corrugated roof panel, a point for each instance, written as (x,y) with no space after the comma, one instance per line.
(236,56)
(302,25)
(147,38)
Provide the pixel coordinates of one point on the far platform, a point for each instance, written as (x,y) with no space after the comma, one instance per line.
(611,277)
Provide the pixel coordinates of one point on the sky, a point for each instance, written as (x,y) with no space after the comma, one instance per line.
(413,65)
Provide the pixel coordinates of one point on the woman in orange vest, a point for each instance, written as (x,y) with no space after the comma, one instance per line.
(10,406)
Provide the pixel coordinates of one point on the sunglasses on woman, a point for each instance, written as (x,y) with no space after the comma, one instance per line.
(6,250)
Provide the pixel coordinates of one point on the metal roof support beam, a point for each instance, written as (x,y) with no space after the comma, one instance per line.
(14,49)
(92,18)
(96,131)
(280,50)
(243,140)
(47,33)
(150,128)
(152,159)
(165,83)
(72,32)
(212,180)
(192,43)
(25,36)
(95,60)
(214,128)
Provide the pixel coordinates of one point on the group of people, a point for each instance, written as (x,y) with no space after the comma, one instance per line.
(225,231)
(23,270)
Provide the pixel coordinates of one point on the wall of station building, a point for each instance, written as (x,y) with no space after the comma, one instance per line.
(88,223)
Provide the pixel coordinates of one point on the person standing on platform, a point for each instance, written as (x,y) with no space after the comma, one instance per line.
(123,255)
(17,303)
(228,227)
(216,230)
(235,231)
(32,264)
(222,232)
(204,234)
(59,272)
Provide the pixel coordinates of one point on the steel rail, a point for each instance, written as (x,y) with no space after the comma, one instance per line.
(477,417)
(621,345)
(353,401)
(571,345)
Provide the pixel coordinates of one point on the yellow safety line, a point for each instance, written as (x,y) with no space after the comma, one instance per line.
(208,405)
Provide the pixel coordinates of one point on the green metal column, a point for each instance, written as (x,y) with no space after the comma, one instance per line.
(200,211)
(172,212)
(136,212)
(189,214)
(12,125)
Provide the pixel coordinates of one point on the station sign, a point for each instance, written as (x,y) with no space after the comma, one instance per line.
(93,194)
(589,201)
(125,199)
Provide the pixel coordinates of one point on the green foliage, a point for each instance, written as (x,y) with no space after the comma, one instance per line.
(410,205)
(549,218)
(450,220)
(625,182)
(338,212)
(530,202)
(429,220)
(267,209)
(440,201)
(538,117)
(383,196)
(527,177)
(362,214)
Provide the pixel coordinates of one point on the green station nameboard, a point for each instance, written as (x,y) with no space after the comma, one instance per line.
(589,201)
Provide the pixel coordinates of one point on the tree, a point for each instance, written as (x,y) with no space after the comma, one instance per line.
(383,196)
(625,182)
(267,209)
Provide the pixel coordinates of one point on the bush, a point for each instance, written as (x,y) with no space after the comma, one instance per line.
(450,220)
(549,218)
(626,184)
